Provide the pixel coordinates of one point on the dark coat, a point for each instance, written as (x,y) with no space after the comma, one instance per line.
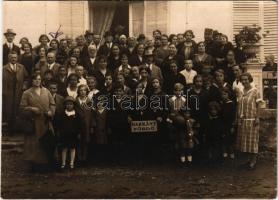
(59,102)
(135,61)
(100,78)
(104,50)
(88,65)
(85,114)
(170,80)
(100,126)
(44,68)
(13,85)
(165,67)
(198,64)
(62,85)
(69,127)
(193,49)
(113,63)
(155,72)
(6,51)
(28,62)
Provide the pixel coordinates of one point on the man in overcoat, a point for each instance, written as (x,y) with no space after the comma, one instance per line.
(15,80)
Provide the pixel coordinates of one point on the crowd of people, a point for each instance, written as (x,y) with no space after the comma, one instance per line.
(89,92)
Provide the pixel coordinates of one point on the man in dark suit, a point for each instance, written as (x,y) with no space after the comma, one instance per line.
(105,49)
(15,80)
(53,88)
(90,61)
(50,64)
(9,46)
(155,71)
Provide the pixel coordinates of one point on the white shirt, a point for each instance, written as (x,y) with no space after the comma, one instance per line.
(82,81)
(50,66)
(189,75)
(71,70)
(72,93)
(103,71)
(13,67)
(121,67)
(93,60)
(70,113)
(92,93)
(10,45)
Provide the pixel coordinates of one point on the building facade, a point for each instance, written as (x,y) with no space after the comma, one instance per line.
(34,18)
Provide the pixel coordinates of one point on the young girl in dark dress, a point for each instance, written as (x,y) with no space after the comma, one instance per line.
(213,131)
(69,128)
(228,118)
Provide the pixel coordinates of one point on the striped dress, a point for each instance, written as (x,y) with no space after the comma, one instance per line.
(248,132)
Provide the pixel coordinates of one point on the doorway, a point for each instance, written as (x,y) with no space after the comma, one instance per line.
(108,15)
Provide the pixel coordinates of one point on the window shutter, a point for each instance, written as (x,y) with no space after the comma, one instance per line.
(245,13)
(71,15)
(156,16)
(270,23)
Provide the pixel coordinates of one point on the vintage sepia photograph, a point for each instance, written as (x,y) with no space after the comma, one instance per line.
(139,99)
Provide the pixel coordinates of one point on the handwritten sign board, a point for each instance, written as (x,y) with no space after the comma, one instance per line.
(144,126)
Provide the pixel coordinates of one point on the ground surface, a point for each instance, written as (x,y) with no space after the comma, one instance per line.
(139,180)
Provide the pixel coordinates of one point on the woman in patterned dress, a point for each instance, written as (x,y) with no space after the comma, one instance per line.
(248,121)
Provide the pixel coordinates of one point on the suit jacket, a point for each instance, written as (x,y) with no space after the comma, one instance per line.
(193,49)
(104,50)
(100,78)
(59,101)
(13,85)
(135,61)
(44,68)
(88,65)
(6,51)
(155,72)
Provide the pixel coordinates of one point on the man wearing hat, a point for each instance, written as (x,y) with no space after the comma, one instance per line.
(208,36)
(106,47)
(14,81)
(9,46)
(155,71)
(89,36)
(141,39)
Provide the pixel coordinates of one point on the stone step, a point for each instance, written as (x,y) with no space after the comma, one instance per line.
(12,144)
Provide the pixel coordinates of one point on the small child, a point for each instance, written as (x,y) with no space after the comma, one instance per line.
(213,131)
(83,108)
(188,72)
(228,118)
(92,84)
(176,119)
(69,128)
(108,85)
(79,70)
(187,138)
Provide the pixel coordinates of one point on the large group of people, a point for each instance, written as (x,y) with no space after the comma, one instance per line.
(89,92)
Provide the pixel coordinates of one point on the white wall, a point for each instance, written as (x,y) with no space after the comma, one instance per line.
(32,18)
(198,15)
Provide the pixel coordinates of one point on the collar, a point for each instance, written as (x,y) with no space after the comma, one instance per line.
(51,65)
(173,98)
(121,67)
(70,113)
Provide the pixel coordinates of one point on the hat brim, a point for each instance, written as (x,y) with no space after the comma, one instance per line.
(9,33)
